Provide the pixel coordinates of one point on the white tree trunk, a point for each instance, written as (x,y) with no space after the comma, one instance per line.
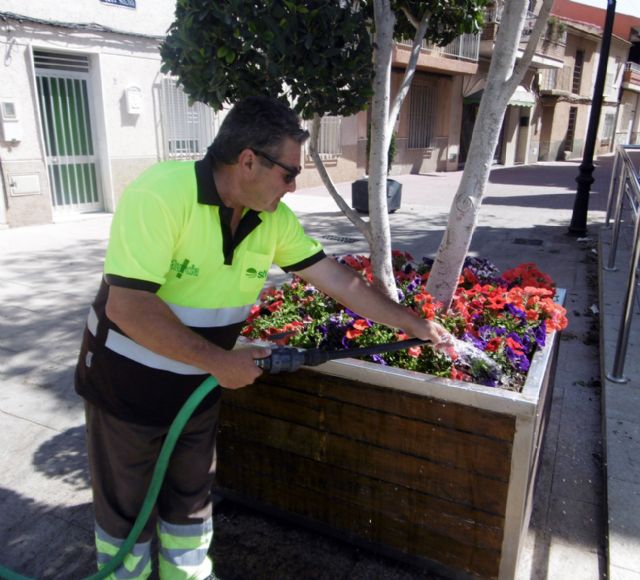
(380,140)
(502,79)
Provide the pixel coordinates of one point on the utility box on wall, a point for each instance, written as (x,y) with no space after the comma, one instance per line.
(10,125)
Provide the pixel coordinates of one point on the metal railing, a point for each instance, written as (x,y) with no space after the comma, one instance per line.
(187,129)
(465,47)
(632,66)
(624,187)
(329,139)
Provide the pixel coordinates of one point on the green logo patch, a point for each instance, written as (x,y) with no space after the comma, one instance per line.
(184,268)
(253,273)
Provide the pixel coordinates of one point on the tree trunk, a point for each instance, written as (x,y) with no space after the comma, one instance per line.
(380,140)
(464,211)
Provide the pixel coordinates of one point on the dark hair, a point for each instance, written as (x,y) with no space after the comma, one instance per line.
(261,123)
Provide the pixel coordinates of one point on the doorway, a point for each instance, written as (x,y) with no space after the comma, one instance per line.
(65,116)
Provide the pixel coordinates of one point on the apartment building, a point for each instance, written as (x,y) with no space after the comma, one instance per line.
(566,95)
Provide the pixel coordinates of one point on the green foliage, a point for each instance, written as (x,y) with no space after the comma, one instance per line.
(317,53)
(448,19)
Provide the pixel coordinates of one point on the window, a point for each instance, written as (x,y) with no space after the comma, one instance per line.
(330,138)
(187,130)
(577,72)
(607,129)
(571,129)
(422,115)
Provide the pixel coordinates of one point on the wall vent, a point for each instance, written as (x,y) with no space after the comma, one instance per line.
(60,61)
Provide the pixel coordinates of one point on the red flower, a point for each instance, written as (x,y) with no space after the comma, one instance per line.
(514,345)
(494,344)
(275,306)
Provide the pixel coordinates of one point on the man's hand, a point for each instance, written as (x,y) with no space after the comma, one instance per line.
(237,368)
(433,332)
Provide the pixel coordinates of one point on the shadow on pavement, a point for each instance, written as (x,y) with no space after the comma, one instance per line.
(38,541)
(64,457)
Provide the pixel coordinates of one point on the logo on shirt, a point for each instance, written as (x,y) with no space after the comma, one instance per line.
(184,268)
(253,273)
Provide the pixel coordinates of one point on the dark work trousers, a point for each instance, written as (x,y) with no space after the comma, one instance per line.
(122,456)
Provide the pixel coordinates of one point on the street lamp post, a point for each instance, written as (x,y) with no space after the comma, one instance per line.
(585,178)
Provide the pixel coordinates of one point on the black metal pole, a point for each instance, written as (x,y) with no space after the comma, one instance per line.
(585,178)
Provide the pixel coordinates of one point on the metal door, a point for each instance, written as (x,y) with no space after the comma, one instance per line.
(66,123)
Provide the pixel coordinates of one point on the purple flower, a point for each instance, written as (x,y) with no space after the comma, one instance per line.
(540,334)
(377,358)
(488,332)
(474,340)
(517,313)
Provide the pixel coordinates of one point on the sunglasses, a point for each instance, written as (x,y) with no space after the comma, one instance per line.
(291,172)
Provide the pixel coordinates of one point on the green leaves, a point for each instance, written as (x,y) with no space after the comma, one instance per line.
(317,52)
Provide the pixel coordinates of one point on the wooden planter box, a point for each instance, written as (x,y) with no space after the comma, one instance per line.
(432,470)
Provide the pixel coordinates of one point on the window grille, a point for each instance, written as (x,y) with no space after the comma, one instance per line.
(330,138)
(60,61)
(571,129)
(187,130)
(577,72)
(422,115)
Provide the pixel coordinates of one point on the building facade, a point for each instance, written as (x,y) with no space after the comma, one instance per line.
(84,107)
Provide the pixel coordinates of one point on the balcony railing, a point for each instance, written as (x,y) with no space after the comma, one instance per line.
(551,43)
(464,47)
(552,79)
(633,67)
(631,75)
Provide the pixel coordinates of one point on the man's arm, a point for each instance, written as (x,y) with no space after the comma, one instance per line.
(150,322)
(350,289)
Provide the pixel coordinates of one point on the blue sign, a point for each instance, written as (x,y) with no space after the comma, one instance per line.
(127,3)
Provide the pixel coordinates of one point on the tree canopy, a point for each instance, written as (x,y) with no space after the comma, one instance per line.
(315,53)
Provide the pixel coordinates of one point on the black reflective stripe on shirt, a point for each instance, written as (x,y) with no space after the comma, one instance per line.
(131,283)
(310,261)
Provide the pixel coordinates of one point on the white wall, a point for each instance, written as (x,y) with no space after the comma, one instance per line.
(125,144)
(148,17)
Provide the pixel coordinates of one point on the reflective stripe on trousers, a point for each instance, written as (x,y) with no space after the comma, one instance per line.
(136,564)
(184,550)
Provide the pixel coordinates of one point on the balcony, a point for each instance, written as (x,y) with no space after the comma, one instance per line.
(551,46)
(464,47)
(631,77)
(556,82)
(459,56)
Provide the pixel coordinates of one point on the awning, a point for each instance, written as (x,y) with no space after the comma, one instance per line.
(522,97)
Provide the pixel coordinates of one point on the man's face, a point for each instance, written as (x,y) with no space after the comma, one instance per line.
(273,181)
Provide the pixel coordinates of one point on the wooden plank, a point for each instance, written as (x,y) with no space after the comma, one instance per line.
(468,451)
(397,402)
(374,527)
(242,460)
(437,479)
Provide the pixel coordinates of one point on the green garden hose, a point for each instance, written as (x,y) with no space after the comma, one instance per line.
(154,487)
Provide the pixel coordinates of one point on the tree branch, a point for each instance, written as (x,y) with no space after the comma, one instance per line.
(523,64)
(354,218)
(410,17)
(421,30)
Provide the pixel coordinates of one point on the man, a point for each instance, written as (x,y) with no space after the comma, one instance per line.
(189,250)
